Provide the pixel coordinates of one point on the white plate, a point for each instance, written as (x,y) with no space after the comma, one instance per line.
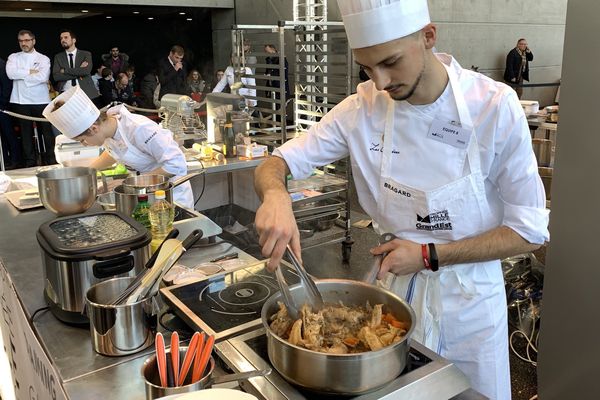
(211,394)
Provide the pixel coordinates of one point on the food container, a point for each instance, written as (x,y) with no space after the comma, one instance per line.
(118,330)
(81,250)
(67,191)
(107,201)
(346,374)
(530,106)
(154,390)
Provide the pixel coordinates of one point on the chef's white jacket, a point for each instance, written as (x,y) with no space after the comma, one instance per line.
(229,78)
(29,88)
(355,128)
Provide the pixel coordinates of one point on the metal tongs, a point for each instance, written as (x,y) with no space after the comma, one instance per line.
(313,296)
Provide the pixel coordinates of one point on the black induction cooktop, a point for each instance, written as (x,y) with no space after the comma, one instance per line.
(227,303)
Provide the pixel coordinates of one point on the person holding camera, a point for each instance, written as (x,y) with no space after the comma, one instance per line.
(517,66)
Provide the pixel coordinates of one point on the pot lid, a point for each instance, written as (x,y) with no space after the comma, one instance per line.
(91,233)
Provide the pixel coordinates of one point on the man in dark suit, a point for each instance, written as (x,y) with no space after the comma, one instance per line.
(172,73)
(73,67)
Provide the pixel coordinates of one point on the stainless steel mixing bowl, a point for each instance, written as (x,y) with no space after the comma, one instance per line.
(67,191)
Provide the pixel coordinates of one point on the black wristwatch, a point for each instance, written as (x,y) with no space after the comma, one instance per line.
(433,258)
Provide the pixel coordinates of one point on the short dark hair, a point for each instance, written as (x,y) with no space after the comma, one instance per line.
(106,72)
(177,49)
(26,32)
(70,32)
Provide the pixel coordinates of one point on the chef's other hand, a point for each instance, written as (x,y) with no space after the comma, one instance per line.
(404,257)
(276,227)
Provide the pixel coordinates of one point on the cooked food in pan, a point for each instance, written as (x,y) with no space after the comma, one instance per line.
(339,329)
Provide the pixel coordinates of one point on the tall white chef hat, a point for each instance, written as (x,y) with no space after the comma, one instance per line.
(371,22)
(76,115)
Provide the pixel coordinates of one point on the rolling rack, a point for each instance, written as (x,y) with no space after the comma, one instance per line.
(322,65)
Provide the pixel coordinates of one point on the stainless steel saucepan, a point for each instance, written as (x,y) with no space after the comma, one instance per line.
(348,374)
(125,202)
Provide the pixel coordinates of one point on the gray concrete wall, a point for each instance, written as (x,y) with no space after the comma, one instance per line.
(476,32)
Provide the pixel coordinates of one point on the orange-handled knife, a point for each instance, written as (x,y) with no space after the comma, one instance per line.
(175,356)
(161,359)
(189,357)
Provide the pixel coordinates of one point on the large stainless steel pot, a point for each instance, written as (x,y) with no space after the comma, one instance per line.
(126,202)
(67,191)
(348,374)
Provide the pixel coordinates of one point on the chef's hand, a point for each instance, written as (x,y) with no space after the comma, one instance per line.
(404,257)
(276,227)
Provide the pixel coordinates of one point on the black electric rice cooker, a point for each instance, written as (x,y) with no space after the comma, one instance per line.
(81,250)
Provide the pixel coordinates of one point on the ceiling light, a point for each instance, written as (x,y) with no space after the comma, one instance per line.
(182,13)
(150,18)
(28,9)
(136,12)
(84,11)
(188,19)
(108,17)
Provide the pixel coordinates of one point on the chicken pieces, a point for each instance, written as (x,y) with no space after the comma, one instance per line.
(338,329)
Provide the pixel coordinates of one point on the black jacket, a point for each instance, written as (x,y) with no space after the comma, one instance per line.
(513,63)
(5,86)
(171,81)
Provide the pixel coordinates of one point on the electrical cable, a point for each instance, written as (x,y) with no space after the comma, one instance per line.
(203,184)
(531,343)
(37,311)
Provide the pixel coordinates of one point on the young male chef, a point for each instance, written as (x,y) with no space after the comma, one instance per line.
(441,157)
(131,139)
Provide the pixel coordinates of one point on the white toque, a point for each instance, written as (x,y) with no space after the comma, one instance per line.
(76,115)
(372,22)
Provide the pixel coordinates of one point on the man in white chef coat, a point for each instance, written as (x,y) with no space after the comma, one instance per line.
(442,158)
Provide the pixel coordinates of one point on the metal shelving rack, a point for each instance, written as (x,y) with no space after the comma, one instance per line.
(322,63)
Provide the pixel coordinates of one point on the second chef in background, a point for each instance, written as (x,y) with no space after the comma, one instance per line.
(131,139)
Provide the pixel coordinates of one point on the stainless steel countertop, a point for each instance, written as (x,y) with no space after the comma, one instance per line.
(84,373)
(227,165)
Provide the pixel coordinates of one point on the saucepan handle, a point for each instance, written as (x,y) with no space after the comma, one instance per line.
(371,275)
(242,376)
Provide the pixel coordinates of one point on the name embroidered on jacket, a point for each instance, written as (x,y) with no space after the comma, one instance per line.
(438,221)
(150,138)
(396,190)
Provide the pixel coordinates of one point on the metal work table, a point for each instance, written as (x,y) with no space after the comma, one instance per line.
(83,373)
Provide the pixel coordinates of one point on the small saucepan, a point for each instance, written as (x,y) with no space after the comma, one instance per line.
(142,184)
(152,380)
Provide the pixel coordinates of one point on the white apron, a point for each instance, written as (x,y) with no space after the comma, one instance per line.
(135,159)
(461,309)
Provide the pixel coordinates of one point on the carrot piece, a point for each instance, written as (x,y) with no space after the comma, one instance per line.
(400,324)
(351,341)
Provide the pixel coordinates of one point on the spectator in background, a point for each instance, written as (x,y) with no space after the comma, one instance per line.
(116,61)
(98,75)
(121,91)
(30,71)
(216,79)
(517,66)
(273,59)
(196,85)
(73,67)
(105,86)
(147,88)
(228,80)
(130,71)
(172,73)
(249,58)
(11,150)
